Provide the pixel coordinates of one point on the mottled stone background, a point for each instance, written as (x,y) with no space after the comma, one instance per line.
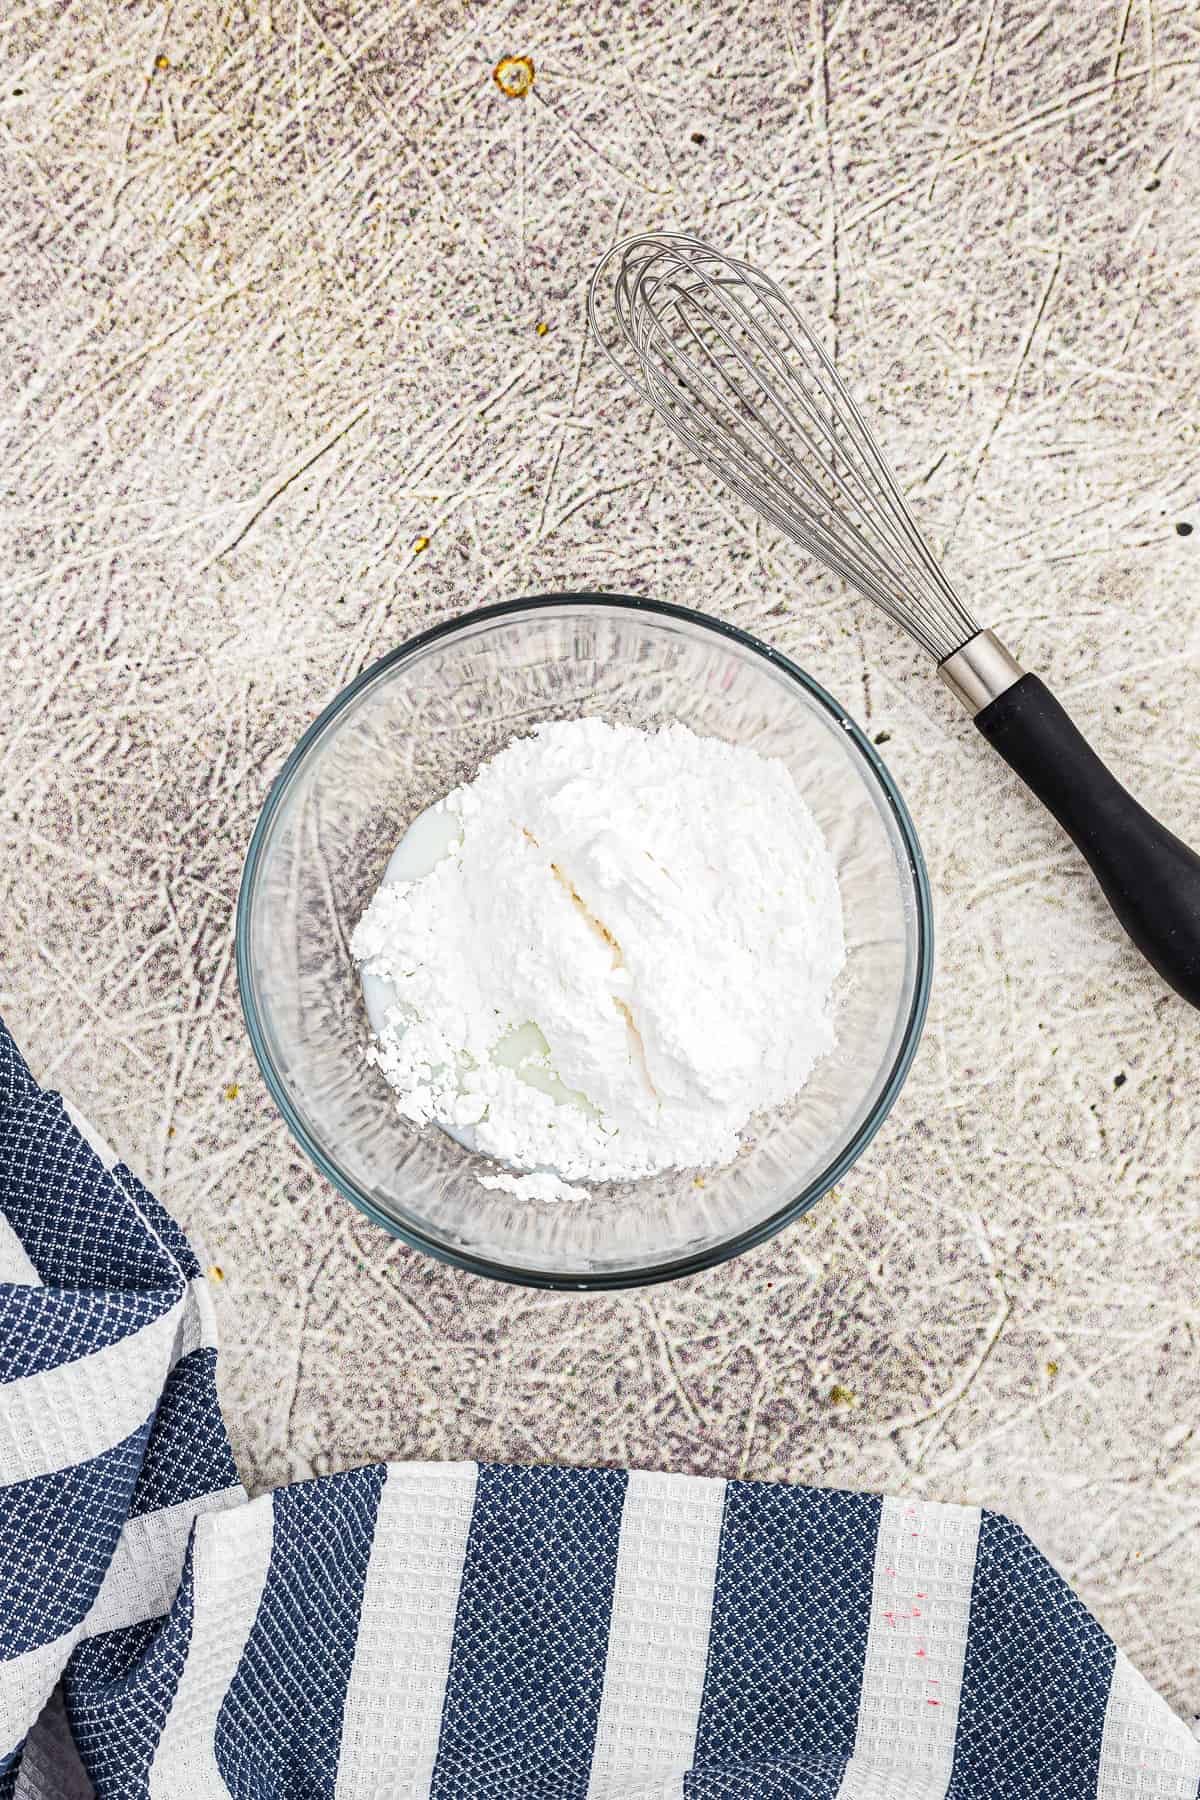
(293,362)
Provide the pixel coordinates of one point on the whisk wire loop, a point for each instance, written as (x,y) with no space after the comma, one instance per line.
(719,351)
(848,477)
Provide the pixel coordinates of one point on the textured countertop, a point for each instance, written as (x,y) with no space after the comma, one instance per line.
(293,362)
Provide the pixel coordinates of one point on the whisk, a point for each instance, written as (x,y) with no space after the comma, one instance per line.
(719,351)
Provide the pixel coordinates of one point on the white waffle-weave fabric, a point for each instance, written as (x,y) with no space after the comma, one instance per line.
(463,1631)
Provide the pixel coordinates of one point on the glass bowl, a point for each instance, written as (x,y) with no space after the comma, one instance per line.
(421,721)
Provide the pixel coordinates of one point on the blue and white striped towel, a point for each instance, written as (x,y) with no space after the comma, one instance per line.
(458,1631)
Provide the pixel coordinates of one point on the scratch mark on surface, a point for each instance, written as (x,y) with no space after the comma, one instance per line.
(279,484)
(1039,313)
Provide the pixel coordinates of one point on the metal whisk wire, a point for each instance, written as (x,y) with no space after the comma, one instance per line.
(719,350)
(722,355)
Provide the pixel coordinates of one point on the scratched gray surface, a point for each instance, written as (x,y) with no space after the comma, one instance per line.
(272,281)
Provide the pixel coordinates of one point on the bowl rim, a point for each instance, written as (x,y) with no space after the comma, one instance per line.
(585,1281)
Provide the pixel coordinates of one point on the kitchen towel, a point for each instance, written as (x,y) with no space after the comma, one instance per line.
(459,1630)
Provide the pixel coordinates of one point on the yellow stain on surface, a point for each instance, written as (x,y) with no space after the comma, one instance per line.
(514,76)
(162,61)
(231,1092)
(215,1272)
(541,328)
(419,544)
(841,1396)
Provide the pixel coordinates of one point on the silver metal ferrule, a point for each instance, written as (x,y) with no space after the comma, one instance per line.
(980,672)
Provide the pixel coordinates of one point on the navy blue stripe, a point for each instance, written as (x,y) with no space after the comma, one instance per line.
(44,1328)
(791,1609)
(1036,1678)
(16,1083)
(119,1688)
(57,1537)
(76,1223)
(159,1220)
(531,1635)
(188,1453)
(279,1730)
(788,1778)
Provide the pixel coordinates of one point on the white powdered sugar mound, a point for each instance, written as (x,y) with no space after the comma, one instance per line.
(644,928)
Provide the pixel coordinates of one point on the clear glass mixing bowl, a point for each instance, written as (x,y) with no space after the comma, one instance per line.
(421,721)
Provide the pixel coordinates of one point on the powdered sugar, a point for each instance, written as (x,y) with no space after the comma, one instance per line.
(629,950)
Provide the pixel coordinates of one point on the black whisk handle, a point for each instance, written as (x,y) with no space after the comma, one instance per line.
(1149,877)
